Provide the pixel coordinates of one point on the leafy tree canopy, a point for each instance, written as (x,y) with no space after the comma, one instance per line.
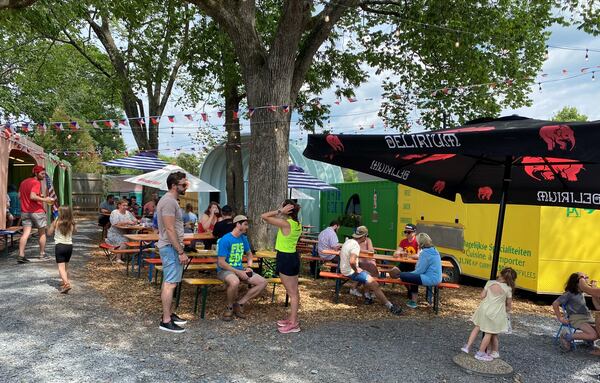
(569,113)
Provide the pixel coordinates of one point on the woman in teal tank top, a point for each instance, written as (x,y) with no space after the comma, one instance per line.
(288,260)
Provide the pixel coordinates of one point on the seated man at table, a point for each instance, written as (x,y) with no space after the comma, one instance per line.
(106,207)
(231,249)
(134,208)
(349,260)
(328,240)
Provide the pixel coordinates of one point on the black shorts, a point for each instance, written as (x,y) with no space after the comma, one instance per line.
(103,220)
(63,252)
(288,263)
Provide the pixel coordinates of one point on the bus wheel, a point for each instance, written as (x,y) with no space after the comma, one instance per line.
(452,274)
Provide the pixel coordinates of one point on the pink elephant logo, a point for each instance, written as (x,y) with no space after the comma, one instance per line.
(542,168)
(427,157)
(557,135)
(439,186)
(335,143)
(485,193)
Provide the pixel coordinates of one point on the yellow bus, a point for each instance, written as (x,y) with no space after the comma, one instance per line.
(543,244)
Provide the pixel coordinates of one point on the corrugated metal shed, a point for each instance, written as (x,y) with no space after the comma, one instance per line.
(214,172)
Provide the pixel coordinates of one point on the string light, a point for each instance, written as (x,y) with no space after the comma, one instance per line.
(587,56)
(540,86)
(546,53)
(326,18)
(593,76)
(456,44)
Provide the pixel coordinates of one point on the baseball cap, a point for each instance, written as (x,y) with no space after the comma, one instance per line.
(239,218)
(360,232)
(410,227)
(38,169)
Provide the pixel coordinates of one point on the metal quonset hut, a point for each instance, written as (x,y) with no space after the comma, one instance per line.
(214,172)
(18,155)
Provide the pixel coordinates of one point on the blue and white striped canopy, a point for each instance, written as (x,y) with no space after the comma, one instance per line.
(141,161)
(298,179)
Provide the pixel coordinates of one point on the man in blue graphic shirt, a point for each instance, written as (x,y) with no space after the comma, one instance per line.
(231,250)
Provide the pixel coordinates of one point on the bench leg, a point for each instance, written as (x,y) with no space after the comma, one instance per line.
(127,266)
(177,294)
(204,294)
(196,299)
(436,300)
(150,272)
(338,285)
(273,293)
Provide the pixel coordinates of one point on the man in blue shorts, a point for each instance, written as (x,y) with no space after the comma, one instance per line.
(170,246)
(349,255)
(231,250)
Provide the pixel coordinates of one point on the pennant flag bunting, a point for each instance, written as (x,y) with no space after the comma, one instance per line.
(123,122)
(337,102)
(189,117)
(25,127)
(74,125)
(42,127)
(273,108)
(205,116)
(352,99)
(171,118)
(58,126)
(141,121)
(250,112)
(286,108)
(154,120)
(219,114)
(235,114)
(95,125)
(109,123)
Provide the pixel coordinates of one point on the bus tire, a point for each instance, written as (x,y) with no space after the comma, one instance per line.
(453,273)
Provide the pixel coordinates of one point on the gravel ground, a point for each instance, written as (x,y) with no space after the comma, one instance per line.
(49,337)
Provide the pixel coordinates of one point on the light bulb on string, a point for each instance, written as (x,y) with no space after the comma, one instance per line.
(587,56)
(593,76)
(326,18)
(456,44)
(546,53)
(540,86)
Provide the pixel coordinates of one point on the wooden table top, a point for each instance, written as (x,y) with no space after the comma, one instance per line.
(383,257)
(124,226)
(154,236)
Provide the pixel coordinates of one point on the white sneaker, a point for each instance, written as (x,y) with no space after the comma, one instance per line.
(464,349)
(368,295)
(356,293)
(495,354)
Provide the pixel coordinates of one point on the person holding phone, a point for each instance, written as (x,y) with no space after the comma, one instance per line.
(230,269)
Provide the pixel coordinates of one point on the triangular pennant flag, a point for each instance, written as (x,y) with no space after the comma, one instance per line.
(219,114)
(58,126)
(154,121)
(42,127)
(286,108)
(273,108)
(250,112)
(141,121)
(25,127)
(74,125)
(189,117)
(337,102)
(123,122)
(235,114)
(205,117)
(351,99)
(7,131)
(109,123)
(171,118)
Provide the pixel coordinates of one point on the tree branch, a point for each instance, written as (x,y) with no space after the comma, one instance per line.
(15,4)
(317,35)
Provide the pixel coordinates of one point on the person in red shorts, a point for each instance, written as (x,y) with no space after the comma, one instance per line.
(33,213)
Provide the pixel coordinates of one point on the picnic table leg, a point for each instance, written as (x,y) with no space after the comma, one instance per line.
(178,288)
(196,299)
(287,298)
(204,294)
(260,266)
(338,285)
(150,272)
(127,264)
(436,300)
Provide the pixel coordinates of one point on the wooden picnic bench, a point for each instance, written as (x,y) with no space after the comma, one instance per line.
(204,283)
(10,231)
(436,289)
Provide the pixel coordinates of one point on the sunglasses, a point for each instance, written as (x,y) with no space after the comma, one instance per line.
(408,232)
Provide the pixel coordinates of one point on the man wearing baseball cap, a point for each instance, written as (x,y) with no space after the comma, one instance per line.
(231,249)
(33,212)
(349,266)
(409,246)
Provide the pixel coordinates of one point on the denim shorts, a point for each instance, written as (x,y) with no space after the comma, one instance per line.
(172,268)
(361,277)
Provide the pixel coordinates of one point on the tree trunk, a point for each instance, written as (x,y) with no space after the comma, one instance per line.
(269,158)
(233,153)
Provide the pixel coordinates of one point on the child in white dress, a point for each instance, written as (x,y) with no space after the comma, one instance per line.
(491,316)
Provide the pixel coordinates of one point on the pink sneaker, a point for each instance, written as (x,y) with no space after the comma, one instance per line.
(483,357)
(283,322)
(290,328)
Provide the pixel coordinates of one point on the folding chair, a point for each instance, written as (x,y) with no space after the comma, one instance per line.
(569,328)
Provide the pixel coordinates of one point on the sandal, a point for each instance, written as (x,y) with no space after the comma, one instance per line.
(65,288)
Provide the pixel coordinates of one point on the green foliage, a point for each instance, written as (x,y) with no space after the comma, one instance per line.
(569,113)
(349,220)
(190,162)
(350,175)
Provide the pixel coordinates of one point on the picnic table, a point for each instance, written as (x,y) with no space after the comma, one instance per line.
(124,226)
(388,258)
